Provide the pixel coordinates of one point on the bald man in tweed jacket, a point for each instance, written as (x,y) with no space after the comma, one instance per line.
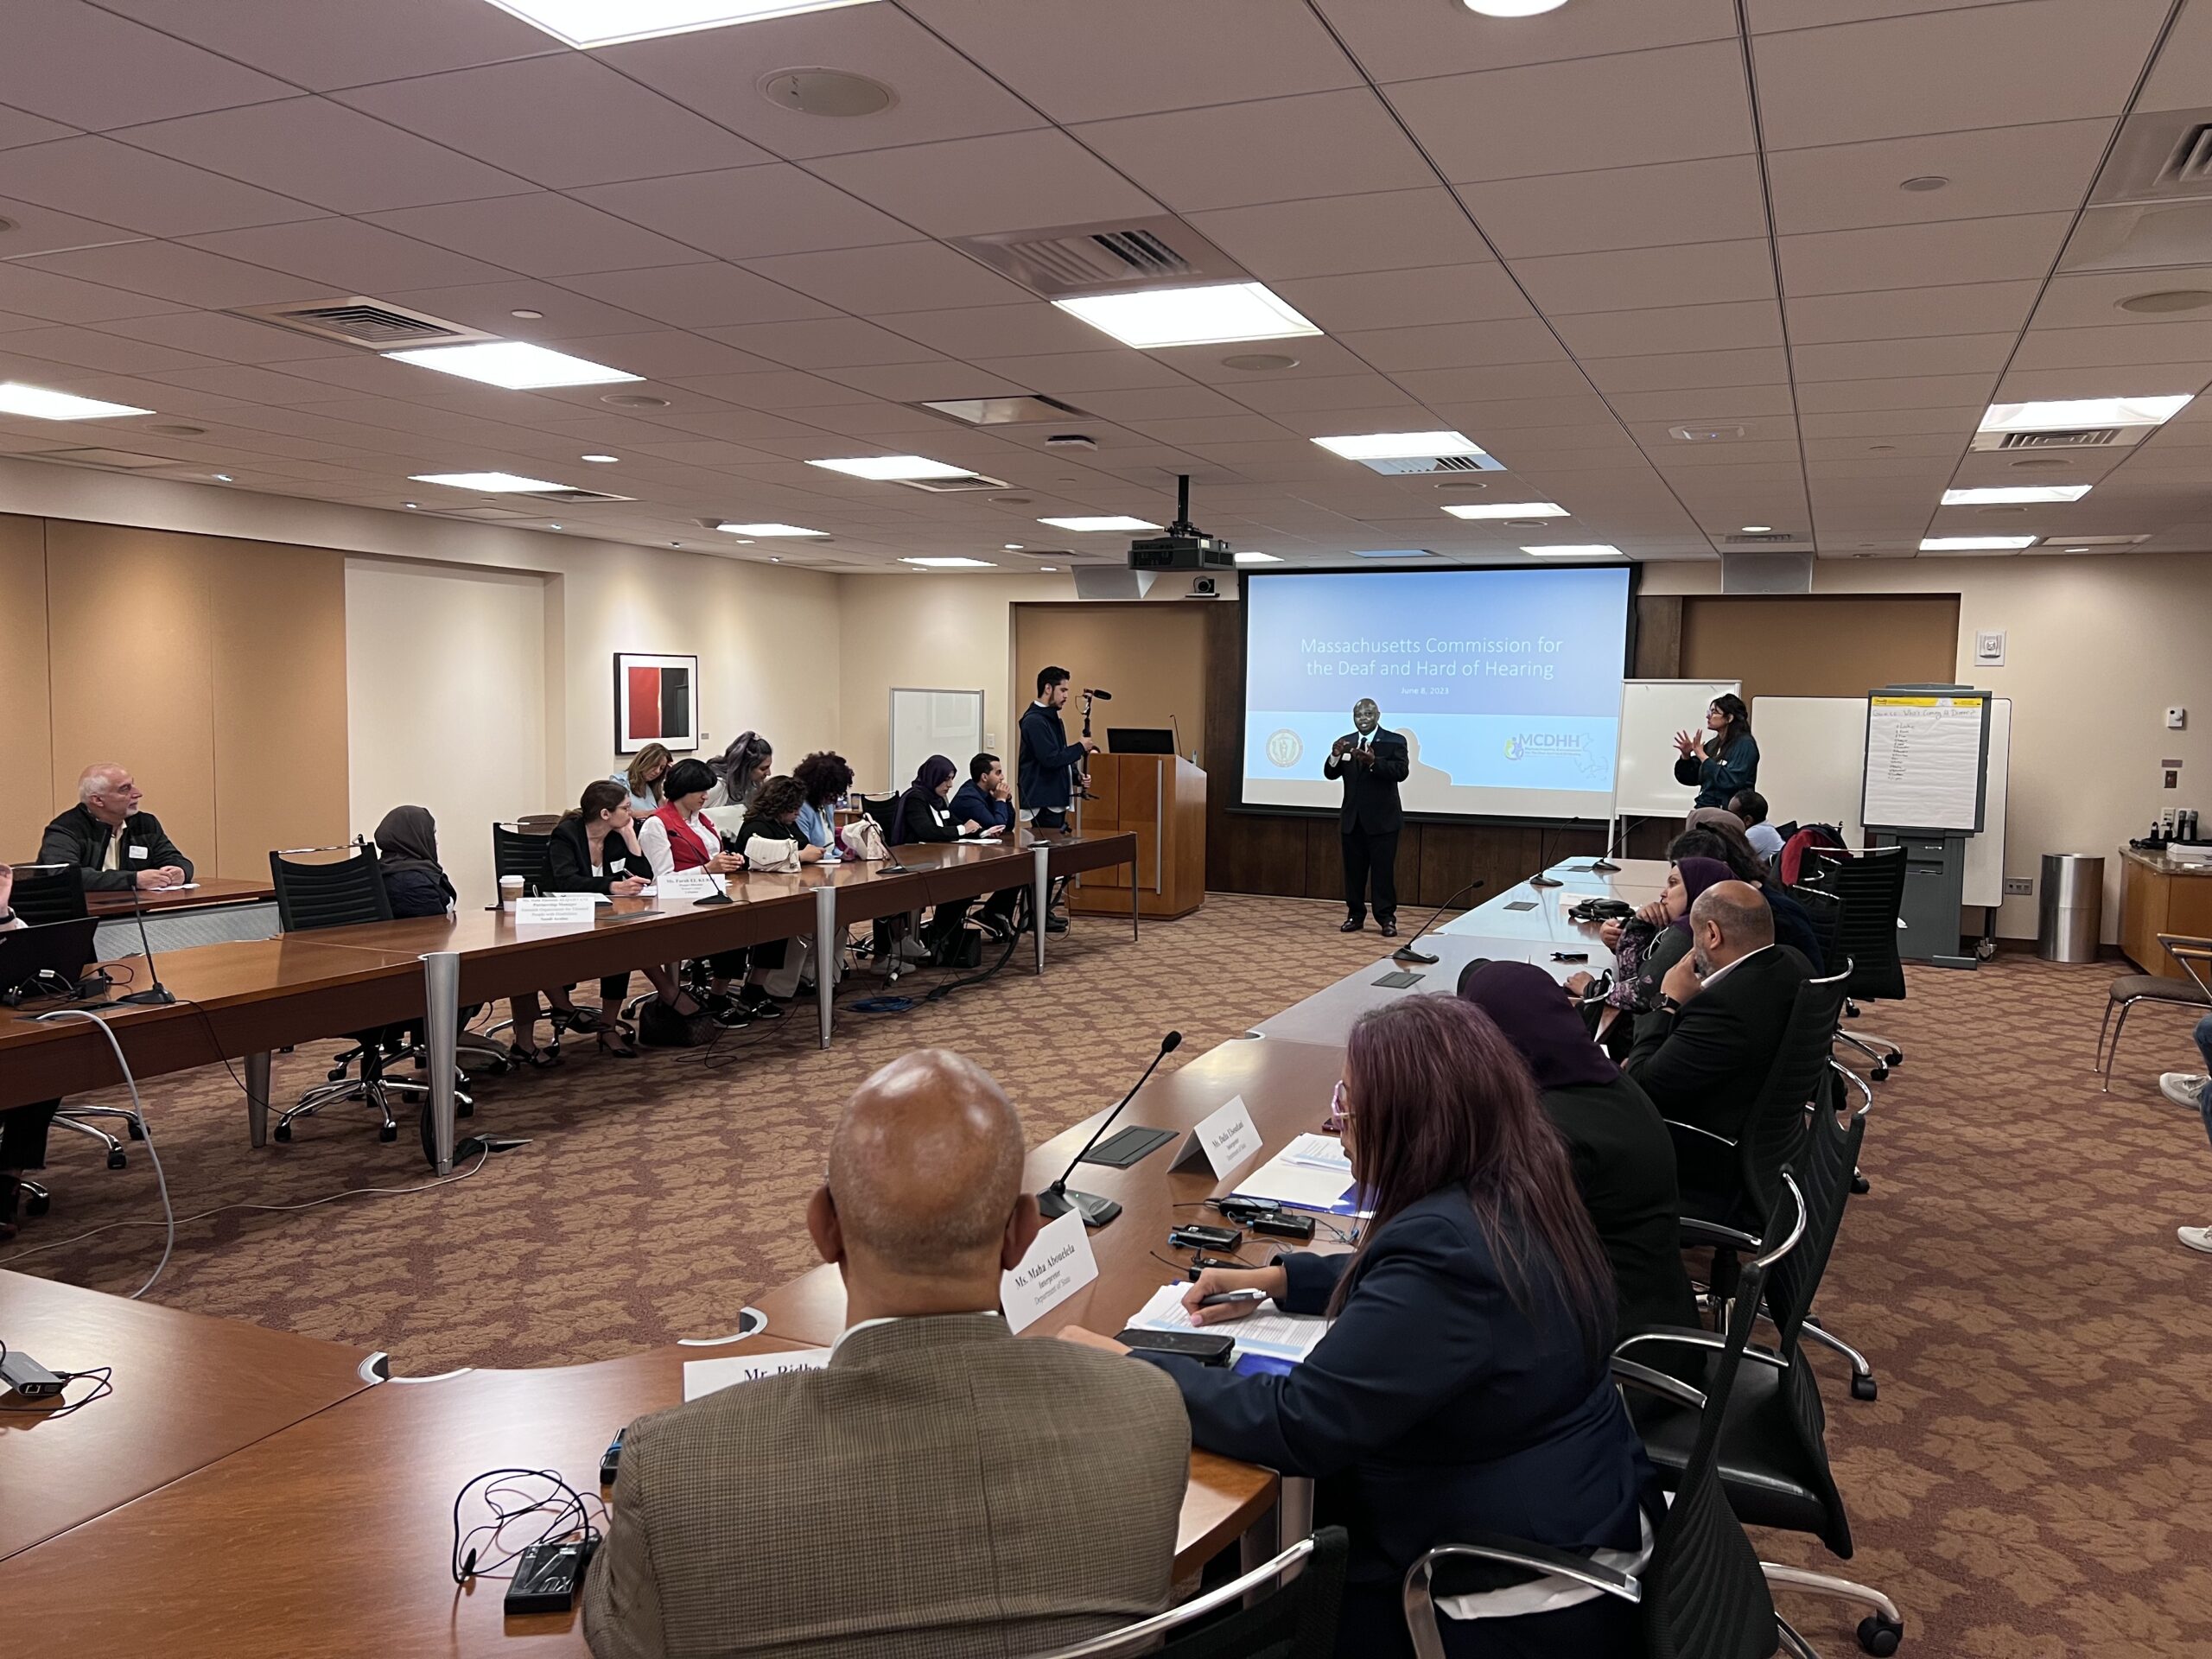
(941,1488)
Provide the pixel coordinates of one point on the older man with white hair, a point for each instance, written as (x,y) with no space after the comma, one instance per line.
(106,836)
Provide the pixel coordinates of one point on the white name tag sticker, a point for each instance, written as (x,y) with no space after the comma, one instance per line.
(1225,1137)
(703,1377)
(138,853)
(688,886)
(556,910)
(1058,1264)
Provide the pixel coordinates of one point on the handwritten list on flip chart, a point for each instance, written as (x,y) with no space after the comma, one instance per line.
(1924,760)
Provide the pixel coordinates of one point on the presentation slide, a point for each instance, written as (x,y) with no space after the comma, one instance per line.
(1506,685)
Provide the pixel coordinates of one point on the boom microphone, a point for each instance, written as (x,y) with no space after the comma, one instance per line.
(1103,696)
(1406,951)
(157,994)
(1056,1200)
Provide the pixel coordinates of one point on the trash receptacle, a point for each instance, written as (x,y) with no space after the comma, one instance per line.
(2071,907)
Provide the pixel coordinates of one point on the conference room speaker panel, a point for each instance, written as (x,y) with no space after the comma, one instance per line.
(1161,798)
(1110,581)
(1766,572)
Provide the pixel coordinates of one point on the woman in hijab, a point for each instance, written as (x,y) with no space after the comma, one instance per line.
(1648,944)
(406,837)
(1728,841)
(1621,1153)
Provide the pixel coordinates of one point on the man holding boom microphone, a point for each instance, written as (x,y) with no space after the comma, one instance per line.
(1372,763)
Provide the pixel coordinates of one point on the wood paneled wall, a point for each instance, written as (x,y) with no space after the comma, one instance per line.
(1820,645)
(214,669)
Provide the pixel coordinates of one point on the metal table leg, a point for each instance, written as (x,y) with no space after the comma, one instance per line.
(1041,857)
(257,1097)
(1134,901)
(828,952)
(440,1036)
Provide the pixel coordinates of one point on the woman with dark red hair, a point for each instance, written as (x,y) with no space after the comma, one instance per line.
(1464,1386)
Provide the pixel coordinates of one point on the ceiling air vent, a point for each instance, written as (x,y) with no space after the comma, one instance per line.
(1774,538)
(1003,411)
(1401,464)
(1068,259)
(966,483)
(2084,437)
(378,325)
(582,496)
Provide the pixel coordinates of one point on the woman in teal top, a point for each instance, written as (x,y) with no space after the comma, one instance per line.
(1727,762)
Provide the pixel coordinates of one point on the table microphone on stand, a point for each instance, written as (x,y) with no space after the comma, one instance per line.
(155,994)
(1406,951)
(1056,1200)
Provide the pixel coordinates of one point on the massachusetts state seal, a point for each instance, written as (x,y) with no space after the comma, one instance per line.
(1284,748)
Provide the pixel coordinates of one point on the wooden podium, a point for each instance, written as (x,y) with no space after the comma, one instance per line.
(1162,798)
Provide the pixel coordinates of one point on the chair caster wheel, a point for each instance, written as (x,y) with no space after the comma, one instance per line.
(137,1131)
(1881,1073)
(283,1132)
(116,1161)
(388,1132)
(1860,1186)
(1880,1636)
(1864,1388)
(464,1108)
(500,1068)
(38,1203)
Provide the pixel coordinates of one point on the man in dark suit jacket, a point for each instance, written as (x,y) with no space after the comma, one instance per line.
(106,836)
(1703,1053)
(1372,763)
(916,1497)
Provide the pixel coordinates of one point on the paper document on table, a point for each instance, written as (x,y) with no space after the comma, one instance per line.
(703,1377)
(982,841)
(1270,1333)
(1303,1186)
(1318,1152)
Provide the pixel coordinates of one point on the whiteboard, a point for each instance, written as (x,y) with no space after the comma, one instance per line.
(1652,711)
(1811,771)
(1924,753)
(927,720)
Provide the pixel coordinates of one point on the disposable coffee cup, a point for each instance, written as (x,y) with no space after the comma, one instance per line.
(510,890)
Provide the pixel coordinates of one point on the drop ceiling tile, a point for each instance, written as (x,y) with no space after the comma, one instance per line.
(1211,428)
(1706,406)
(1911,313)
(2145,380)
(249,385)
(2018,247)
(2178,79)
(698,296)
(1758,365)
(1656,435)
(1389,230)
(1507,380)
(2062,59)
(940,93)
(1772,17)
(21,127)
(2091,299)
(540,234)
(658,354)
(906,276)
(1406,40)
(1396,299)
(1271,149)
(172,272)
(1675,104)
(1009,181)
(1673,328)
(489,307)
(1311,360)
(2045,167)
(88,68)
(1097,63)
(103,354)
(1882,425)
(1633,278)
(1584,408)
(349,255)
(1068,375)
(322,152)
(146,192)
(1887,358)
(33,230)
(561,121)
(2172,347)
(210,334)
(750,212)
(1703,201)
(1155,403)
(1457,344)
(823,343)
(323,46)
(783,390)
(1924,444)
(979,331)
(1747,460)
(1918,391)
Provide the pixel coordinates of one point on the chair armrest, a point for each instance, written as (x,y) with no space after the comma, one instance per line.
(1419,1606)
(1697,1233)
(1658,1383)
(1866,1090)
(1683,1337)
(1674,1128)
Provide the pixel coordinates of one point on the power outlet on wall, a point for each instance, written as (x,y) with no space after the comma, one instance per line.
(2019,887)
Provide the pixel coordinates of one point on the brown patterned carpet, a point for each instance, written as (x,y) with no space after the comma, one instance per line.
(2031,1483)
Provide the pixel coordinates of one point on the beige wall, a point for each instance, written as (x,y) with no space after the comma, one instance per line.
(446,689)
(2097,649)
(1152,657)
(26,732)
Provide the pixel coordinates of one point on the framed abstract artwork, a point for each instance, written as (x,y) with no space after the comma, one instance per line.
(656,700)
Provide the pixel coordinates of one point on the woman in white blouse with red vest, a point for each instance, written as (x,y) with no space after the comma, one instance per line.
(680,836)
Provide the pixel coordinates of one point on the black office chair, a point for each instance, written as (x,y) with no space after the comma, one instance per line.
(1774,1459)
(1703,1594)
(1825,911)
(1870,885)
(49,892)
(345,892)
(1297,1620)
(517,851)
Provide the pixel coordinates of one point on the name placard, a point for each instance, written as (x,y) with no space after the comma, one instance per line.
(687,886)
(556,910)
(1225,1137)
(702,1376)
(1058,1264)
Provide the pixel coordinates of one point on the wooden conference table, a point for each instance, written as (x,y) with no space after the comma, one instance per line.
(249,998)
(279,1501)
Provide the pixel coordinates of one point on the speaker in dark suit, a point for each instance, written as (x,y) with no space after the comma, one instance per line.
(1372,764)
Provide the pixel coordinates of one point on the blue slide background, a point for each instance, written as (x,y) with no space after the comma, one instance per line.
(1508,683)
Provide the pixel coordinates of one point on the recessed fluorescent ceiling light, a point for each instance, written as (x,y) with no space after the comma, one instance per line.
(951,564)
(1400,446)
(2015,492)
(603,459)
(603,22)
(1512,8)
(16,398)
(1589,550)
(1110,523)
(1976,543)
(1212,315)
(1392,553)
(1257,558)
(769,530)
(2065,413)
(514,364)
(894,468)
(490,483)
(1509,510)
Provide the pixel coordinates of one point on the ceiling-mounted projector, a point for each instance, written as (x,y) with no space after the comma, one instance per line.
(1184,546)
